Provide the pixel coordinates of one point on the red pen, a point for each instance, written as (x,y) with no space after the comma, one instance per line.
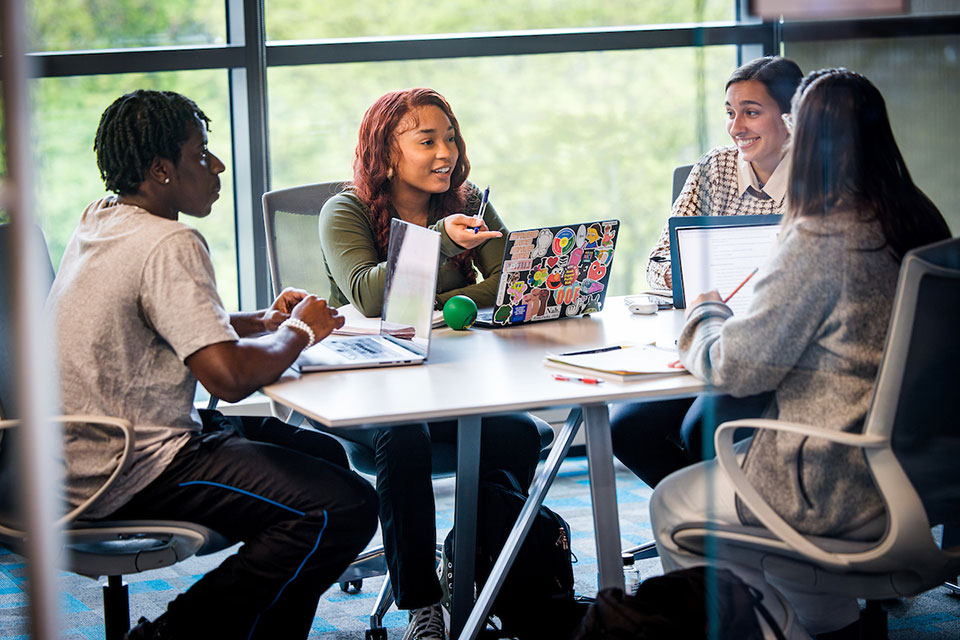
(557,376)
(739,286)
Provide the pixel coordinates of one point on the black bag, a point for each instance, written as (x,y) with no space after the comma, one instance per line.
(676,605)
(537,597)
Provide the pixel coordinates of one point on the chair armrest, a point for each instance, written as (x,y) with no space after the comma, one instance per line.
(866,441)
(727,458)
(128,443)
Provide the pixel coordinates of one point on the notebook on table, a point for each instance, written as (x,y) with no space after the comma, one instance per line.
(553,272)
(718,252)
(413,256)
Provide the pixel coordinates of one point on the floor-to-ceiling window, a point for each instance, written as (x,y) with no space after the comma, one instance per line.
(571,110)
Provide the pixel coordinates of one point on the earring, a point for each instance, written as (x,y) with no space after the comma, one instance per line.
(390,173)
(166,181)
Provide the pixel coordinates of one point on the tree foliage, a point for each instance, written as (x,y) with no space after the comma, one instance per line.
(559,137)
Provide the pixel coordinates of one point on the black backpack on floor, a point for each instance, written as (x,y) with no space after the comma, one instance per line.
(677,605)
(537,599)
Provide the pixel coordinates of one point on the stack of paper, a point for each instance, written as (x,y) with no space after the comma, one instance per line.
(625,362)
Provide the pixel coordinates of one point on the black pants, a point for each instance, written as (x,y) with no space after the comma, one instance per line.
(654,439)
(405,489)
(287,495)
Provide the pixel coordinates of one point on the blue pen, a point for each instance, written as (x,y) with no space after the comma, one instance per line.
(601,350)
(483,207)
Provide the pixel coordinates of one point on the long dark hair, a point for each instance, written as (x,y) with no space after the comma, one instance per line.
(375,147)
(844,156)
(779,75)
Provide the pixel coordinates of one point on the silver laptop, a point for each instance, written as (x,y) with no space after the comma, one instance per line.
(413,258)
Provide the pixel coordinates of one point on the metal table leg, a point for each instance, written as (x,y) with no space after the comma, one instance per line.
(465,518)
(538,491)
(603,493)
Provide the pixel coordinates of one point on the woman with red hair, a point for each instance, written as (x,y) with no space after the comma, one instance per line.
(411,163)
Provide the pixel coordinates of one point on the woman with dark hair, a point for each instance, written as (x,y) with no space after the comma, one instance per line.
(814,335)
(411,163)
(654,439)
(746,178)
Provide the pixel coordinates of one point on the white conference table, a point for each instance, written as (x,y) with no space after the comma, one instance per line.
(480,372)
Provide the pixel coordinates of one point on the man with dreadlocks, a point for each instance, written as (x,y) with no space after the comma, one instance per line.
(138,323)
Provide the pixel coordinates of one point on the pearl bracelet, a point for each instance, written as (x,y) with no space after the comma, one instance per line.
(299,325)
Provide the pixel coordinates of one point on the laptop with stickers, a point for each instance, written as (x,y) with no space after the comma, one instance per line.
(553,272)
(413,256)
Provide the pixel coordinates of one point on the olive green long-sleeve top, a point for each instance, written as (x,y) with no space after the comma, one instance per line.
(357,275)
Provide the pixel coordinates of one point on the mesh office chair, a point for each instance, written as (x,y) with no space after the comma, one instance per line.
(911,444)
(94,549)
(291,220)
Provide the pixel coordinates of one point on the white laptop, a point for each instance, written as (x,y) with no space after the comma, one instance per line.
(413,258)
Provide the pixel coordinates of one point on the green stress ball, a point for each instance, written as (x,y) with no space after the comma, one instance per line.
(459,312)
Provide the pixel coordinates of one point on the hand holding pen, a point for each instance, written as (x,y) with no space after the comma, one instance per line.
(714,296)
(483,207)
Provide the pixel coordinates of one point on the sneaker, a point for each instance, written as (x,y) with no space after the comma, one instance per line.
(426,624)
(445,571)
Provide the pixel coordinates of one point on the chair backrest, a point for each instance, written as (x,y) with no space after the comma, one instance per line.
(914,402)
(679,178)
(7,313)
(290,218)
(9,442)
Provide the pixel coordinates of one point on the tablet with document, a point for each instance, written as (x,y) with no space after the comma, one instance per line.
(717,252)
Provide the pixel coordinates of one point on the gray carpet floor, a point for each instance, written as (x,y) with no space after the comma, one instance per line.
(934,615)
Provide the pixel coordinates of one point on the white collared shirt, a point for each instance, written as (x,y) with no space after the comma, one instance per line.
(775,187)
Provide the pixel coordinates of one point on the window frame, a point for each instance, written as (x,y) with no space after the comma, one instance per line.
(246,56)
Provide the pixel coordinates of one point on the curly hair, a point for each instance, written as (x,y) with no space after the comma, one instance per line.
(377,144)
(139,127)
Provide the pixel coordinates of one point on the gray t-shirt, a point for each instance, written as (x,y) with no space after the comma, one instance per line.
(135,295)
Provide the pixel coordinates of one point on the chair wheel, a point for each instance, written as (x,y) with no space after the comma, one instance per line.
(351,586)
(376,634)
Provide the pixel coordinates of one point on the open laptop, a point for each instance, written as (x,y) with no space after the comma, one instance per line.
(553,272)
(718,252)
(413,256)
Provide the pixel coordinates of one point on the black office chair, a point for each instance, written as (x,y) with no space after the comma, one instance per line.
(101,548)
(911,444)
(291,220)
(679,179)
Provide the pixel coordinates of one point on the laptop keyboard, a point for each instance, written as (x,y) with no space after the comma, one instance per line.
(358,349)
